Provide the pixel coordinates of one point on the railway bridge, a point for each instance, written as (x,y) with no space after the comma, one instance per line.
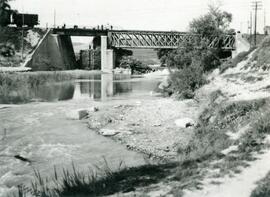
(111,39)
(141,39)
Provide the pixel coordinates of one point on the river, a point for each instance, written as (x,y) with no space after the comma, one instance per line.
(43,132)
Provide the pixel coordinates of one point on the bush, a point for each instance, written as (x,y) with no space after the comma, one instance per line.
(236,60)
(185,81)
(210,137)
(253,139)
(136,66)
(192,51)
(260,58)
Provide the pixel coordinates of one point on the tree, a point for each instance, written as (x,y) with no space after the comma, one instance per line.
(4,12)
(163,54)
(120,53)
(214,23)
(194,57)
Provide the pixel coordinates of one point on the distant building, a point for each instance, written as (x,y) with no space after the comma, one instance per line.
(267,30)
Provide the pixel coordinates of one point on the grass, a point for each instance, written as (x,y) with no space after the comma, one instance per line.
(253,139)
(236,60)
(210,136)
(260,59)
(78,184)
(73,183)
(16,87)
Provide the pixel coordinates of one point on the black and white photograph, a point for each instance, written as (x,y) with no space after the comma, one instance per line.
(135,98)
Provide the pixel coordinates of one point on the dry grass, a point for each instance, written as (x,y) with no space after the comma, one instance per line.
(16,87)
(260,59)
(236,60)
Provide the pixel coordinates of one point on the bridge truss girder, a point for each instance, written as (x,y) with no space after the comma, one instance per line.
(164,40)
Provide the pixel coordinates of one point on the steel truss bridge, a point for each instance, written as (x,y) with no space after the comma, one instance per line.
(166,40)
(149,39)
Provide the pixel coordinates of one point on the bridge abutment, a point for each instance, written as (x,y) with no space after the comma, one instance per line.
(55,52)
(107,56)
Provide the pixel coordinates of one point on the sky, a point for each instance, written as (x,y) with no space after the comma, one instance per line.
(165,15)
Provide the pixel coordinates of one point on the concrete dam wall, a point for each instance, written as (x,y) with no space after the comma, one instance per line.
(55,52)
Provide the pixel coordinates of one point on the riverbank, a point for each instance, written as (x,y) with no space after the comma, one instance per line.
(155,127)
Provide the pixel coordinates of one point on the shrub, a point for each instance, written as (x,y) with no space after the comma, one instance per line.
(207,142)
(136,66)
(260,58)
(253,139)
(210,137)
(187,80)
(195,53)
(236,60)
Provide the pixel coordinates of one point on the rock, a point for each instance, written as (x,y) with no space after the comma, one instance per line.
(229,150)
(184,122)
(212,119)
(80,114)
(167,149)
(94,124)
(117,106)
(164,84)
(138,103)
(108,132)
(93,109)
(83,114)
(74,115)
(77,114)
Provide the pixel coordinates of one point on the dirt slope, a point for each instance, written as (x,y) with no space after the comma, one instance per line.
(13,49)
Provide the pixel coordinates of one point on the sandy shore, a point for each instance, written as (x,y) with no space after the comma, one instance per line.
(147,126)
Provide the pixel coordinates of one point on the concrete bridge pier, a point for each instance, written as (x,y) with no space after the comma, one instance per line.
(107,56)
(241,45)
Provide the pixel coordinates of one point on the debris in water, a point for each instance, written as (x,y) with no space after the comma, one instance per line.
(22,158)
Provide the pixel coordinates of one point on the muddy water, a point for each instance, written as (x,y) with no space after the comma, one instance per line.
(43,133)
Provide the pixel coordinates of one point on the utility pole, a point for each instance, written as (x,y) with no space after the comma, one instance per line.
(250,33)
(256,5)
(264,18)
(22,35)
(22,51)
(54,18)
